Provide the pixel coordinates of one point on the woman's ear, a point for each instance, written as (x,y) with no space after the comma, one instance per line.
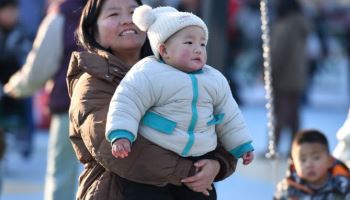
(163,51)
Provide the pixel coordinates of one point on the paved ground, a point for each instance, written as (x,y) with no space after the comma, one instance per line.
(24,179)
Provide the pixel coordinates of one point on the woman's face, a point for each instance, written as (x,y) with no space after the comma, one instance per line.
(115,29)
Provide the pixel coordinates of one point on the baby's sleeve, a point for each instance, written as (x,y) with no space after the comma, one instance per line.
(132,98)
(232,132)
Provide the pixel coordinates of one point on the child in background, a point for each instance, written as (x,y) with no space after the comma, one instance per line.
(314,173)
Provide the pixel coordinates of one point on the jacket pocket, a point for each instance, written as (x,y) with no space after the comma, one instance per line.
(158,122)
(217,119)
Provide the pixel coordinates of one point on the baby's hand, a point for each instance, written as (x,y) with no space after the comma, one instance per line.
(121,148)
(248,157)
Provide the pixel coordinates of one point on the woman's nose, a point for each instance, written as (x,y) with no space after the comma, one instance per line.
(126,19)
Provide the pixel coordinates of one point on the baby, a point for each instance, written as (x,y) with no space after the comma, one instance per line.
(173,98)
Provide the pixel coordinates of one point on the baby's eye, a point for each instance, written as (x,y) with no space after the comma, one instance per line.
(188,42)
(114,14)
(203,44)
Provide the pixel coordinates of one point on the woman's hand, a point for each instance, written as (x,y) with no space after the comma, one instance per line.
(206,171)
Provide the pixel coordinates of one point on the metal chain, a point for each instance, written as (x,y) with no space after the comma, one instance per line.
(272,154)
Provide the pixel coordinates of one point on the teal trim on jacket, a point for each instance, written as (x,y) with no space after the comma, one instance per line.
(194,116)
(217,119)
(118,134)
(199,71)
(242,149)
(157,122)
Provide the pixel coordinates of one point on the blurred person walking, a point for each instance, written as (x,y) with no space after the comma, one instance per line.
(289,65)
(235,46)
(48,60)
(15,115)
(244,39)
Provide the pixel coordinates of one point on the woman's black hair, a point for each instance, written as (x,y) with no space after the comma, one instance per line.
(88,25)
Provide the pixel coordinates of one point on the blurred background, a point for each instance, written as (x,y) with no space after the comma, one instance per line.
(235,48)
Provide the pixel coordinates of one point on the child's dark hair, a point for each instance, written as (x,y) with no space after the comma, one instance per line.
(311,136)
(4,3)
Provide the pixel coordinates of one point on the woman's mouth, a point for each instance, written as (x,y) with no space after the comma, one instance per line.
(128,32)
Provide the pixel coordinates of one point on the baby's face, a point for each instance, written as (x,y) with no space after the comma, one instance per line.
(186,49)
(311,161)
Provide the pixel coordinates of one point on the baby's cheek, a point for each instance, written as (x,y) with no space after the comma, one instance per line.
(185,54)
(182,61)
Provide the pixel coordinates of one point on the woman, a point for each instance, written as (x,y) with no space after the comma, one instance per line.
(114,44)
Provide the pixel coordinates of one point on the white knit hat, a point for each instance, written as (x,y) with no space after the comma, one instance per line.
(162,22)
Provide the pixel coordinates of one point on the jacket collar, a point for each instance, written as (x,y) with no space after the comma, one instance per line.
(101,65)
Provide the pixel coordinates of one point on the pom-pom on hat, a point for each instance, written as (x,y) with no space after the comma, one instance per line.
(162,22)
